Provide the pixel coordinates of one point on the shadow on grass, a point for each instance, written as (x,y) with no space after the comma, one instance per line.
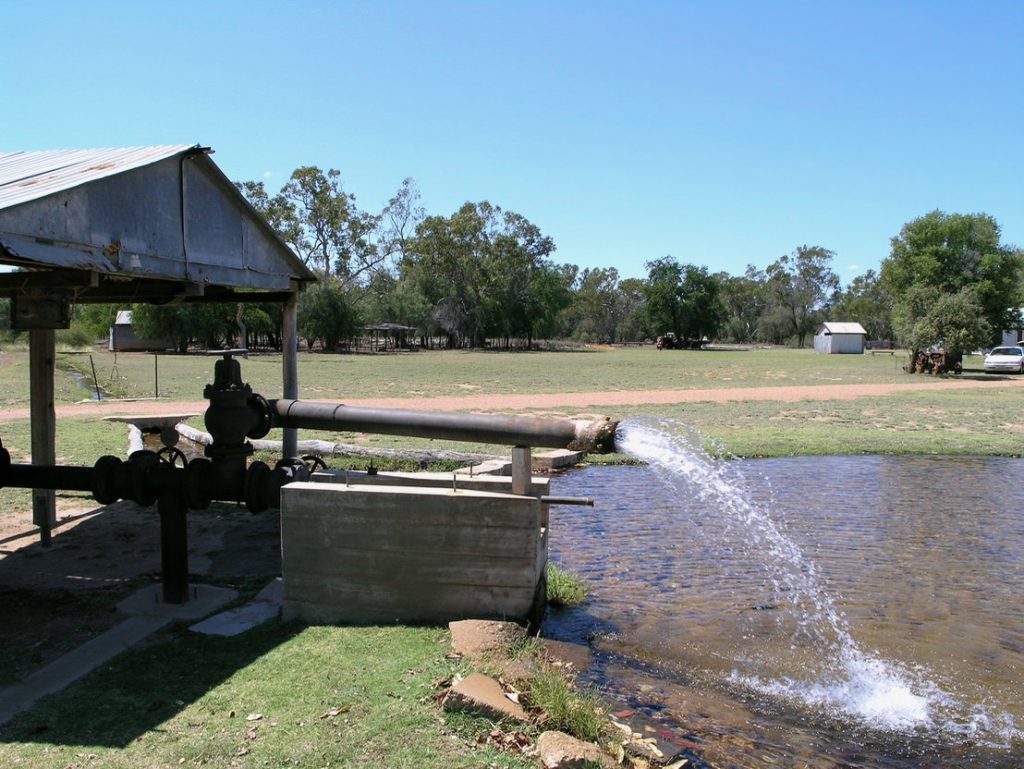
(55,598)
(140,689)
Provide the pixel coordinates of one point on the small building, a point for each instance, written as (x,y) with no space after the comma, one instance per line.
(840,338)
(1012,336)
(124,339)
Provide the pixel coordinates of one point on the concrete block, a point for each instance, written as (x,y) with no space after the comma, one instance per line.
(557,459)
(365,554)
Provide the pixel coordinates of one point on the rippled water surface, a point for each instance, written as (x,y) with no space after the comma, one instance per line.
(819,611)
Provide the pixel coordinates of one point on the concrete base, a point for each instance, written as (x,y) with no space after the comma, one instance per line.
(365,554)
(204,600)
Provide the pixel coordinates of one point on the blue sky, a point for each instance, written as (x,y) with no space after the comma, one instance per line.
(722,133)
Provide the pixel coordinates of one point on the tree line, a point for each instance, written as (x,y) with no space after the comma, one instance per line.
(485,276)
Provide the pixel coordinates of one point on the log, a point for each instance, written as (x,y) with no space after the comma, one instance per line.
(328,448)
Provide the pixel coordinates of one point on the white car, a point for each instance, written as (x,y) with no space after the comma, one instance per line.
(1005,359)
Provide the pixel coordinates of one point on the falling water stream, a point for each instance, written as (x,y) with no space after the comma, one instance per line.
(726,585)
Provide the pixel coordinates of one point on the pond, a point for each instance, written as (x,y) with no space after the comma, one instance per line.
(820,611)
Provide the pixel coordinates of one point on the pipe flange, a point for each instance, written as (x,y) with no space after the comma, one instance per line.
(263,417)
(104,479)
(196,495)
(257,479)
(139,465)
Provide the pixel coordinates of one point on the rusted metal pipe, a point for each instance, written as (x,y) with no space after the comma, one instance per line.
(553,500)
(596,437)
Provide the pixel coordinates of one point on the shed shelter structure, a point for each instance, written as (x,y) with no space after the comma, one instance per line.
(141,224)
(122,337)
(840,338)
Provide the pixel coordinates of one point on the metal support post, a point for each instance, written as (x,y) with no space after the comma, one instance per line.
(290,372)
(173,546)
(42,352)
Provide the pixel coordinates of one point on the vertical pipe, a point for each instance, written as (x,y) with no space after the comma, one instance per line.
(522,470)
(42,352)
(95,379)
(290,372)
(156,375)
(173,546)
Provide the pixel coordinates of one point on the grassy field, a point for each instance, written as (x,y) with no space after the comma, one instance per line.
(429,374)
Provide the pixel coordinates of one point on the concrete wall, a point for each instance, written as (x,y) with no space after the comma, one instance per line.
(363,553)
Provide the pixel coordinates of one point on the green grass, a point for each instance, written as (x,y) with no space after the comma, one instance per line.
(325,696)
(958,422)
(435,373)
(564,588)
(569,709)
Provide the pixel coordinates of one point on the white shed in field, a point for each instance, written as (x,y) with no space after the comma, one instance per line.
(840,338)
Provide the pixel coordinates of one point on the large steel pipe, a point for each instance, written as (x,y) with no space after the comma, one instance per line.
(597,437)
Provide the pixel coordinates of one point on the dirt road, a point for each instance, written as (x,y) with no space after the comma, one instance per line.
(536,401)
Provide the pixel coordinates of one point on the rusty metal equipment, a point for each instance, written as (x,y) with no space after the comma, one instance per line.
(225,474)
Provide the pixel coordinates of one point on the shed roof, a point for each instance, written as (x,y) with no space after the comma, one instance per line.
(842,328)
(83,221)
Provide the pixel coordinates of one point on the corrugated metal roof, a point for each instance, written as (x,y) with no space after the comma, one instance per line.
(26,176)
(843,328)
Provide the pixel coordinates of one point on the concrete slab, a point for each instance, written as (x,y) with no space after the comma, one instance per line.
(148,602)
(266,605)
(559,458)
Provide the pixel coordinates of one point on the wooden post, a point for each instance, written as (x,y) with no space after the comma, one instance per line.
(522,470)
(290,370)
(42,350)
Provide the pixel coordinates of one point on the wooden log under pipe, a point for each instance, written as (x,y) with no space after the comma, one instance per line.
(330,449)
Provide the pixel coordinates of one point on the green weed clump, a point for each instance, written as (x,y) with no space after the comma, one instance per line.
(564,588)
(569,709)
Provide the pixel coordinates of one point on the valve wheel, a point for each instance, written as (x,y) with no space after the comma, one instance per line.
(171,455)
(312,462)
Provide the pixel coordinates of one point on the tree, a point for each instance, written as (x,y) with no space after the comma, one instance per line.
(212,325)
(683,299)
(745,299)
(801,285)
(485,271)
(939,255)
(326,315)
(598,306)
(316,217)
(955,320)
(867,302)
(633,325)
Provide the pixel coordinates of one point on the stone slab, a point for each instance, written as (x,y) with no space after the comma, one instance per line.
(558,750)
(265,606)
(557,459)
(150,421)
(481,694)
